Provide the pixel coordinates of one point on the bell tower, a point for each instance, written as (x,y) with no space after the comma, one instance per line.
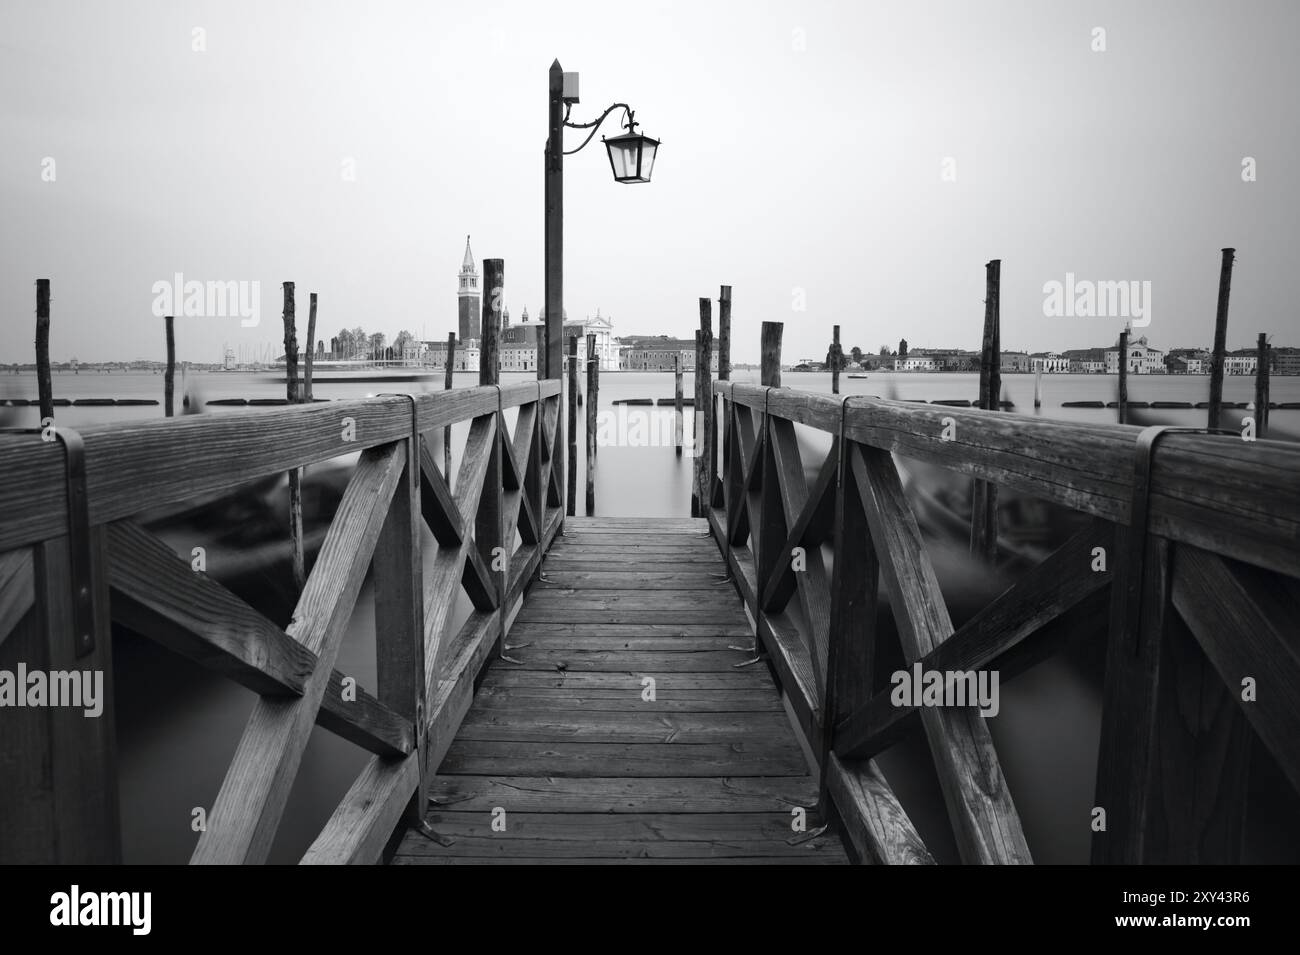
(469,300)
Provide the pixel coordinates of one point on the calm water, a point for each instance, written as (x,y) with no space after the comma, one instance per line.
(178,725)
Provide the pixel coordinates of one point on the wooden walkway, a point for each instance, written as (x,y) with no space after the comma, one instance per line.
(570,758)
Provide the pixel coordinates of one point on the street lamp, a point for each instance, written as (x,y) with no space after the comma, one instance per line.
(631,159)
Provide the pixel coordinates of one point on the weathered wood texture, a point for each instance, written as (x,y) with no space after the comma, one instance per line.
(575,758)
(123,477)
(68,765)
(1213,491)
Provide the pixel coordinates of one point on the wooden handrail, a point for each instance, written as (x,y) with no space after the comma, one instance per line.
(127,463)
(425,677)
(1222,526)
(1230,496)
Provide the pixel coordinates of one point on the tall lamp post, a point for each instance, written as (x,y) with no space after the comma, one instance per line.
(631,159)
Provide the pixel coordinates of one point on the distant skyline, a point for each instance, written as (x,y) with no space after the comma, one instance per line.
(861,160)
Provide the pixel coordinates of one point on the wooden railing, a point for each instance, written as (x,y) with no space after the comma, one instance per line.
(73,558)
(1187,568)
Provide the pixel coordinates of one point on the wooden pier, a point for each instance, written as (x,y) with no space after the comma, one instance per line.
(529,732)
(633,726)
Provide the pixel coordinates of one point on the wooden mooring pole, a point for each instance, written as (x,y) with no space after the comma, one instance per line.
(593,387)
(572,482)
(679,426)
(722,423)
(45,387)
(984,496)
(836,355)
(169,376)
(1220,339)
(724,334)
(1122,404)
(770,354)
(446,385)
(295,475)
(1261,386)
(705,466)
(311,351)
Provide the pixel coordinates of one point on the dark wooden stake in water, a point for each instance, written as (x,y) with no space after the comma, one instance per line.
(984,496)
(311,350)
(446,385)
(723,423)
(991,350)
(1123,377)
(724,334)
(1220,339)
(169,376)
(295,475)
(572,481)
(835,362)
(593,387)
(770,354)
(705,466)
(290,347)
(1261,386)
(489,356)
(679,426)
(43,384)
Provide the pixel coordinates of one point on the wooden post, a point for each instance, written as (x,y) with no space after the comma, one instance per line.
(593,384)
(1220,339)
(446,384)
(311,351)
(984,496)
(770,354)
(705,466)
(290,347)
(1123,377)
(677,401)
(295,475)
(855,578)
(489,356)
(572,484)
(724,374)
(43,383)
(1261,386)
(1038,388)
(82,752)
(769,536)
(169,376)
(398,577)
(991,363)
(835,360)
(489,523)
(724,334)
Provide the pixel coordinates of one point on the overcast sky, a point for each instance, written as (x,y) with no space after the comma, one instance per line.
(802,163)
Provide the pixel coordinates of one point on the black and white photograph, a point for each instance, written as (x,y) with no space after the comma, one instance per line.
(696,432)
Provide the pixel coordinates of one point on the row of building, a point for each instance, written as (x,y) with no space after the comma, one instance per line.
(1143,359)
(518,343)
(518,349)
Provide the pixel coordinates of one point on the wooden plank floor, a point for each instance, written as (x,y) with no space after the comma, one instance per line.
(564,751)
